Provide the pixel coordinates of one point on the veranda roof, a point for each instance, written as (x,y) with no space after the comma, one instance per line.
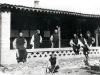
(20,7)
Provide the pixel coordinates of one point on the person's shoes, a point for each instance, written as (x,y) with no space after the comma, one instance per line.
(86,63)
(18,61)
(17,58)
(55,71)
(23,60)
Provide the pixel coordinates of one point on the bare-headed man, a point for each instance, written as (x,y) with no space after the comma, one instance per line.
(85,48)
(75,44)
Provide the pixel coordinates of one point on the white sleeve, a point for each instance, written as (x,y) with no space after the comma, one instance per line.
(40,39)
(71,42)
(14,43)
(32,40)
(25,44)
(57,63)
(80,43)
(51,38)
(48,63)
(93,40)
(85,41)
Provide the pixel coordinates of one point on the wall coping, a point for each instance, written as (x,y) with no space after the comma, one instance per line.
(55,49)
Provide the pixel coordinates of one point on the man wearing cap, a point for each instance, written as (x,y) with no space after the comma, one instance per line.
(55,39)
(90,40)
(36,40)
(20,43)
(85,47)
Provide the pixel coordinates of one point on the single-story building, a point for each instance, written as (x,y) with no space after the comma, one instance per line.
(16,18)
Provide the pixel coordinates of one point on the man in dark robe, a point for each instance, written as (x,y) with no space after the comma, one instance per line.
(98,30)
(90,40)
(85,48)
(36,40)
(55,39)
(74,44)
(20,43)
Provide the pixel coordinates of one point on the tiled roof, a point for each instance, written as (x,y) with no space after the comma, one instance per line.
(20,7)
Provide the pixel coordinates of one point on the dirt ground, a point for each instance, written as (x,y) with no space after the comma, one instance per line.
(67,67)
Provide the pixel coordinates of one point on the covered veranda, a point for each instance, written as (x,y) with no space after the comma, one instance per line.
(28,19)
(14,18)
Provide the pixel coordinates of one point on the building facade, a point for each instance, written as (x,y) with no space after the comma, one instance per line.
(16,18)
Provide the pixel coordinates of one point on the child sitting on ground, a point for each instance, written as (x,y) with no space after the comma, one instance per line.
(53,63)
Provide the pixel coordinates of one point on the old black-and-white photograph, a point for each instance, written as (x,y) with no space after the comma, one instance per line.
(49,37)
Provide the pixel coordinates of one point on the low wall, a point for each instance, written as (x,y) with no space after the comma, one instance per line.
(60,52)
(44,53)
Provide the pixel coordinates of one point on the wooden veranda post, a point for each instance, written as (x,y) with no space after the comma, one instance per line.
(96,39)
(0,37)
(59,30)
(96,33)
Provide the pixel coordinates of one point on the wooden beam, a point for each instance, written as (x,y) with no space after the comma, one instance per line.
(96,39)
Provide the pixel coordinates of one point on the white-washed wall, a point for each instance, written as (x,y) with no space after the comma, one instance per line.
(5,35)
(0,36)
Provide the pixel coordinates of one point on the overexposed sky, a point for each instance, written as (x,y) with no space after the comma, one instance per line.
(81,6)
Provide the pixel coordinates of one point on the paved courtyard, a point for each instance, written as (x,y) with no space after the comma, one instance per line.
(71,66)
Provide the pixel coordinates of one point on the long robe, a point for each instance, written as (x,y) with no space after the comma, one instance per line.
(35,41)
(54,40)
(20,43)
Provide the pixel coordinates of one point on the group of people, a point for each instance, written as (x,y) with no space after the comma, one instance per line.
(20,43)
(76,43)
(84,43)
(37,39)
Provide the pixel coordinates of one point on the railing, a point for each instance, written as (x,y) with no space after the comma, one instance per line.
(60,52)
(44,54)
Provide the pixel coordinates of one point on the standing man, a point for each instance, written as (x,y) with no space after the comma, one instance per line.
(98,35)
(55,39)
(75,44)
(85,48)
(90,40)
(36,40)
(20,43)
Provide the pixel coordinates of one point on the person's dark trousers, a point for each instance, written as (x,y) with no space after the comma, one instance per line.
(76,49)
(89,44)
(85,52)
(52,68)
